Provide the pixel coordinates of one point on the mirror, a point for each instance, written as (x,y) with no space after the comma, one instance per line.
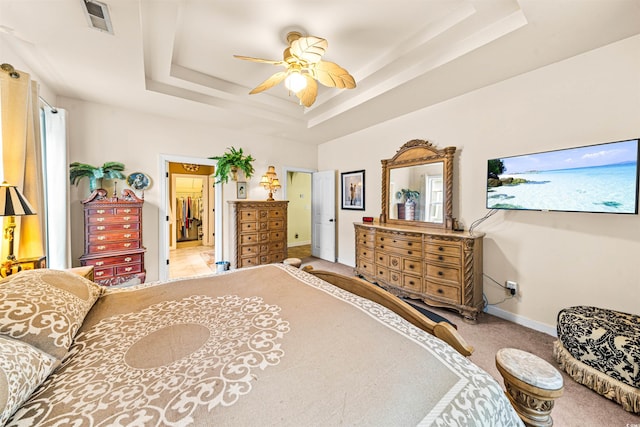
(417,185)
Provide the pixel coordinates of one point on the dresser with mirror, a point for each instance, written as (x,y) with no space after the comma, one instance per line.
(414,250)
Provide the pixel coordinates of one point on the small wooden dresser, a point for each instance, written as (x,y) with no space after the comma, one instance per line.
(441,267)
(258,232)
(113,237)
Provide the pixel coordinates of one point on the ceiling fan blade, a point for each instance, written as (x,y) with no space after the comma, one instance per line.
(332,75)
(265,61)
(309,49)
(307,96)
(270,82)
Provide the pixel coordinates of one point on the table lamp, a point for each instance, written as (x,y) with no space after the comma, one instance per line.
(270,182)
(12,204)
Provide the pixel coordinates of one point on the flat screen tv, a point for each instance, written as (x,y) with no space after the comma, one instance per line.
(601,178)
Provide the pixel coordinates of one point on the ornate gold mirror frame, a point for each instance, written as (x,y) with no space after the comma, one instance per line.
(411,159)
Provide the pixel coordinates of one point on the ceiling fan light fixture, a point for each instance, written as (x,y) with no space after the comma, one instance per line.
(295,81)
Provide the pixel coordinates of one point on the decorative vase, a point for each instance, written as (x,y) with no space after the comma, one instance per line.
(410,210)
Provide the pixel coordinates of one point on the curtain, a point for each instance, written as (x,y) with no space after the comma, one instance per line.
(22,159)
(54,134)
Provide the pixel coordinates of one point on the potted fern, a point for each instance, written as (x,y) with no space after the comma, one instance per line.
(95,174)
(229,164)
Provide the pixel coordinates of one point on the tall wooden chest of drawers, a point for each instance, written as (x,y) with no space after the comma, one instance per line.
(258,232)
(440,267)
(113,237)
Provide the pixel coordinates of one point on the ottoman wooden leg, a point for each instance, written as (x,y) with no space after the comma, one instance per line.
(532,385)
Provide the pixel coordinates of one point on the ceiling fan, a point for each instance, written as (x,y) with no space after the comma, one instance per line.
(303,66)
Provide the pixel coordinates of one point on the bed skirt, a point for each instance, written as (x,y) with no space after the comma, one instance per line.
(624,394)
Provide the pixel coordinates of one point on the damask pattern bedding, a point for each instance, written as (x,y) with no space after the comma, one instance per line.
(269,345)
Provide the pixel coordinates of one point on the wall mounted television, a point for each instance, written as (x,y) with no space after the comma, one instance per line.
(601,178)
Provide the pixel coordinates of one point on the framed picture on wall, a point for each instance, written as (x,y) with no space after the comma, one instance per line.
(242,190)
(353,190)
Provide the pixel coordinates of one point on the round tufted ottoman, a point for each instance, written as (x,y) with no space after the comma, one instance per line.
(532,385)
(294,262)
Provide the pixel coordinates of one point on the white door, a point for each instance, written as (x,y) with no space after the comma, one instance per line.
(323,208)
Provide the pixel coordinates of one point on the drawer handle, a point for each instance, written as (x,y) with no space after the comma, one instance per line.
(128,259)
(410,244)
(101,237)
(126,245)
(99,273)
(126,226)
(411,282)
(128,269)
(101,247)
(440,258)
(381,246)
(126,218)
(380,272)
(126,236)
(440,291)
(100,227)
(100,211)
(440,248)
(99,219)
(382,239)
(410,252)
(248,238)
(127,210)
(411,266)
(440,273)
(99,263)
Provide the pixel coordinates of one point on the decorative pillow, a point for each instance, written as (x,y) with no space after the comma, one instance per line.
(22,369)
(45,308)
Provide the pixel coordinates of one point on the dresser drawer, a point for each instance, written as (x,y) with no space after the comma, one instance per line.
(111,219)
(443,248)
(114,236)
(249,250)
(444,273)
(412,266)
(276,225)
(248,238)
(365,253)
(276,213)
(128,269)
(248,262)
(366,266)
(276,246)
(248,226)
(382,273)
(101,211)
(274,257)
(391,240)
(403,252)
(113,260)
(119,246)
(276,235)
(442,258)
(451,293)
(127,211)
(412,283)
(93,229)
(365,237)
(103,273)
(248,215)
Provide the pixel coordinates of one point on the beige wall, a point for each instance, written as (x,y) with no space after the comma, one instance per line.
(99,133)
(558,259)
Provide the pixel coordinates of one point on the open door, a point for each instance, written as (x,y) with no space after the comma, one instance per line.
(323,208)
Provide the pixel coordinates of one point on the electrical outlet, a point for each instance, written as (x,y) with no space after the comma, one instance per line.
(511,286)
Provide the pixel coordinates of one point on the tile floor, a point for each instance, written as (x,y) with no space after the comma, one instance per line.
(188,261)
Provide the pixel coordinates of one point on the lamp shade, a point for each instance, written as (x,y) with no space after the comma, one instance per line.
(12,202)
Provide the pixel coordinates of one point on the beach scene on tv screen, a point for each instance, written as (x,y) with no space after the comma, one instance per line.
(596,178)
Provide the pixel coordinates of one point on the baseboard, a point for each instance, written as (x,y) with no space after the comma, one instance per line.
(523,321)
(291,245)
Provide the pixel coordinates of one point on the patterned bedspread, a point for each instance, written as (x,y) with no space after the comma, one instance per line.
(270,345)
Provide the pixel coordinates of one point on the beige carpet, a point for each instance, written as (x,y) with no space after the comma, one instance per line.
(578,407)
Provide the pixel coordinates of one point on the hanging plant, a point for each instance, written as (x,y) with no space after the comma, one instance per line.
(230,162)
(95,174)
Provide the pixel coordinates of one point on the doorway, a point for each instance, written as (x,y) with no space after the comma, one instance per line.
(188,221)
(298,193)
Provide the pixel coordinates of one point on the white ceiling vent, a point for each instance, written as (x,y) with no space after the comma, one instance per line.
(98,15)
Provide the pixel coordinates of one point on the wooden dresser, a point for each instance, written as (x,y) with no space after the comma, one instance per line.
(113,237)
(258,232)
(440,267)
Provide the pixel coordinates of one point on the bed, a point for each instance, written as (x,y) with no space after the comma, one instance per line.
(269,345)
